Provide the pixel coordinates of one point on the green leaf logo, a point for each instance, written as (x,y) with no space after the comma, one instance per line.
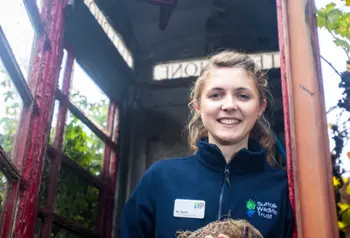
(251,204)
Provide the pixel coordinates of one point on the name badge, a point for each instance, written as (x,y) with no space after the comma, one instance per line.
(189,208)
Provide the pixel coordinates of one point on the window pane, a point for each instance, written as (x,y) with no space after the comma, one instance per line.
(39,4)
(3,190)
(76,200)
(87,96)
(82,145)
(19,32)
(10,109)
(45,181)
(116,125)
(63,68)
(54,122)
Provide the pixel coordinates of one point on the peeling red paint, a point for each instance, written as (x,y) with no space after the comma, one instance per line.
(10,203)
(45,66)
(286,106)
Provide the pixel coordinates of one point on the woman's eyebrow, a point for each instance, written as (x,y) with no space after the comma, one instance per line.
(243,89)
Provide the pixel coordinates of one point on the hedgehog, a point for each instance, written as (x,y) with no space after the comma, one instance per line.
(229,227)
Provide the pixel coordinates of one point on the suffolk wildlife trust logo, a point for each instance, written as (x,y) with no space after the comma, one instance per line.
(251,205)
(198,205)
(265,210)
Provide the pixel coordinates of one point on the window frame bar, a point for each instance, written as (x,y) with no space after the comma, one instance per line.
(34,16)
(91,179)
(99,132)
(58,141)
(68,224)
(14,71)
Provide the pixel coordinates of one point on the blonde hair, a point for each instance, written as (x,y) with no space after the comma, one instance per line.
(229,59)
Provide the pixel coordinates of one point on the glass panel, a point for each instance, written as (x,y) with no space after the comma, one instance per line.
(45,181)
(19,32)
(39,4)
(10,109)
(63,68)
(82,145)
(87,96)
(116,125)
(3,190)
(54,122)
(76,200)
(59,232)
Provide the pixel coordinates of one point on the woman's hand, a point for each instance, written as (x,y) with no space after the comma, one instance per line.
(219,236)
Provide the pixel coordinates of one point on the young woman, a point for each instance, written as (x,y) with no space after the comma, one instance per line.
(232,173)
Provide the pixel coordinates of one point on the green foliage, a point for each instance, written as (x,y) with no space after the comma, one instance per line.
(337,22)
(97,112)
(75,200)
(83,146)
(10,103)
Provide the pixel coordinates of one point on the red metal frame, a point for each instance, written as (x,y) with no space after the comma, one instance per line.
(309,162)
(283,40)
(56,159)
(27,168)
(49,52)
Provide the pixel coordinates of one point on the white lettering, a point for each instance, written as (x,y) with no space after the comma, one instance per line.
(110,32)
(192,68)
(266,209)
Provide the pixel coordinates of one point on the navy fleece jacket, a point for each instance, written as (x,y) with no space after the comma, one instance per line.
(247,188)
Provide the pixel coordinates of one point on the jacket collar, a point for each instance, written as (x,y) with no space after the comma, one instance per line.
(244,161)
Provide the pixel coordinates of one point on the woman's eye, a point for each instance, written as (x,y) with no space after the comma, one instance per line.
(215,95)
(244,96)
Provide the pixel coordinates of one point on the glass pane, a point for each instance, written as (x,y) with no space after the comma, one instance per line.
(45,181)
(82,145)
(54,122)
(76,200)
(3,190)
(63,68)
(116,125)
(87,96)
(10,109)
(19,32)
(59,232)
(39,4)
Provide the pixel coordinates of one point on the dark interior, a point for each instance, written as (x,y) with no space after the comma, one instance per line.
(154,113)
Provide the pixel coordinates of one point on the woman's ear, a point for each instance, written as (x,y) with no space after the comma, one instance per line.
(196,106)
(263,106)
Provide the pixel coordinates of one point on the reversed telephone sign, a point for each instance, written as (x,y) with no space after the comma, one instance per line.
(193,68)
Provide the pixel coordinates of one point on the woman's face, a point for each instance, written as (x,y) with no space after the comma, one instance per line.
(229,106)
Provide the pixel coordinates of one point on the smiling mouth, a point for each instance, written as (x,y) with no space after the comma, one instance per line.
(229,121)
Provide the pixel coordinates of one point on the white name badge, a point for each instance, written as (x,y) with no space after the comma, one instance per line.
(189,208)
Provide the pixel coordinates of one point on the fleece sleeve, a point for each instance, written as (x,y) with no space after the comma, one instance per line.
(138,216)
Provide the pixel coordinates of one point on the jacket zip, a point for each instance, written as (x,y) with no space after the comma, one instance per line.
(226,180)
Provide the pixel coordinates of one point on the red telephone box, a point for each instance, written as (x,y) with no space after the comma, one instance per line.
(69,161)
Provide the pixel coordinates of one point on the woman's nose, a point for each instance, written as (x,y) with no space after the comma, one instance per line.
(229,104)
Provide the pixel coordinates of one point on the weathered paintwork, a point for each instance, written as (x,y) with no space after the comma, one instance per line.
(309,163)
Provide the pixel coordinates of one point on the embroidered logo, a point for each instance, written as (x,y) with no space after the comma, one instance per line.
(251,205)
(265,210)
